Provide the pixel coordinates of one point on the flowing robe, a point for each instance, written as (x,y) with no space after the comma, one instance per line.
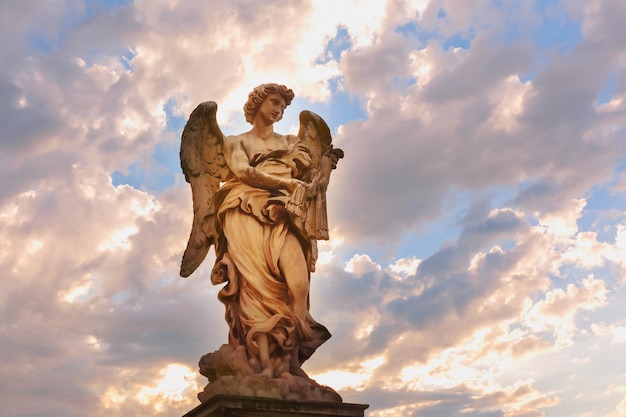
(255,224)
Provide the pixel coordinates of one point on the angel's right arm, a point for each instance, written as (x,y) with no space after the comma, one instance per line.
(239,164)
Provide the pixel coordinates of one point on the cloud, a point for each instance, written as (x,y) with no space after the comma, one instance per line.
(97,265)
(468,117)
(478,231)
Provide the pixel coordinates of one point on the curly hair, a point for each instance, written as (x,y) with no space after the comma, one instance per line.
(260,93)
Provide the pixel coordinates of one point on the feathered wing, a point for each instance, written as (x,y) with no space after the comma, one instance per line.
(315,134)
(204,166)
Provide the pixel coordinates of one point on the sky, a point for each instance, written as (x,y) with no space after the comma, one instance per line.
(477,260)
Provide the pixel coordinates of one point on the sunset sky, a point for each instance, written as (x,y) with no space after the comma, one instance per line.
(477,261)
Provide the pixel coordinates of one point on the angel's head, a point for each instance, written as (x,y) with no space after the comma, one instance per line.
(260,93)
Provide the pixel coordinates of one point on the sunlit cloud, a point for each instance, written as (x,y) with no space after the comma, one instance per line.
(326,249)
(557,312)
(174,385)
(404,267)
(175,382)
(78,293)
(119,239)
(342,379)
(616,332)
(361,264)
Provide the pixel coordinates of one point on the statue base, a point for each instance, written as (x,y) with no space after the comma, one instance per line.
(236,406)
(232,374)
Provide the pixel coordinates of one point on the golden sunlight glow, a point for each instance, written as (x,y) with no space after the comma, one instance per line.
(418,5)
(361,264)
(342,379)
(587,252)
(564,224)
(93,342)
(365,331)
(175,383)
(132,125)
(365,26)
(119,239)
(480,256)
(22,102)
(421,67)
(557,311)
(113,398)
(438,374)
(339,379)
(476,260)
(34,246)
(616,332)
(404,267)
(471,366)
(374,362)
(402,410)
(76,293)
(369,321)
(9,212)
(145,207)
(466,363)
(326,249)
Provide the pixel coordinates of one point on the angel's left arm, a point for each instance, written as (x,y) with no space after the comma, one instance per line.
(238,162)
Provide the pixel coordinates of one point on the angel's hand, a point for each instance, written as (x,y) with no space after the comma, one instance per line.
(293,183)
(312,189)
(317,186)
(334,154)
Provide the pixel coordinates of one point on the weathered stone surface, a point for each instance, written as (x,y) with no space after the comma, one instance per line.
(260,198)
(233,406)
(230,373)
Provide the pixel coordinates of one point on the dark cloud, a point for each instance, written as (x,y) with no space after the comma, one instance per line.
(453,286)
(418,154)
(487,64)
(379,67)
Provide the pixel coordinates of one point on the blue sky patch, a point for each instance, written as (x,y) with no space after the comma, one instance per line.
(94,7)
(340,109)
(174,123)
(408,29)
(157,175)
(606,93)
(126,59)
(459,41)
(164,162)
(557,29)
(341,42)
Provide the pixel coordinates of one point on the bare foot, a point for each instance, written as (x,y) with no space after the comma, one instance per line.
(267,372)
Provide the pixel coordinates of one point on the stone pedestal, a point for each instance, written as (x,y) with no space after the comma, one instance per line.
(233,406)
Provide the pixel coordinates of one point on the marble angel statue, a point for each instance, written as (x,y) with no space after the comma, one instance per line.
(260,199)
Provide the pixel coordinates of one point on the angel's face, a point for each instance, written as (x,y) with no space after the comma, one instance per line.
(272,109)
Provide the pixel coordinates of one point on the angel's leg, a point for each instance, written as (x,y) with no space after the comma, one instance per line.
(264,354)
(293,266)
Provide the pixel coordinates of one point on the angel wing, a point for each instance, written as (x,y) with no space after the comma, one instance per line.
(315,134)
(310,204)
(204,166)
